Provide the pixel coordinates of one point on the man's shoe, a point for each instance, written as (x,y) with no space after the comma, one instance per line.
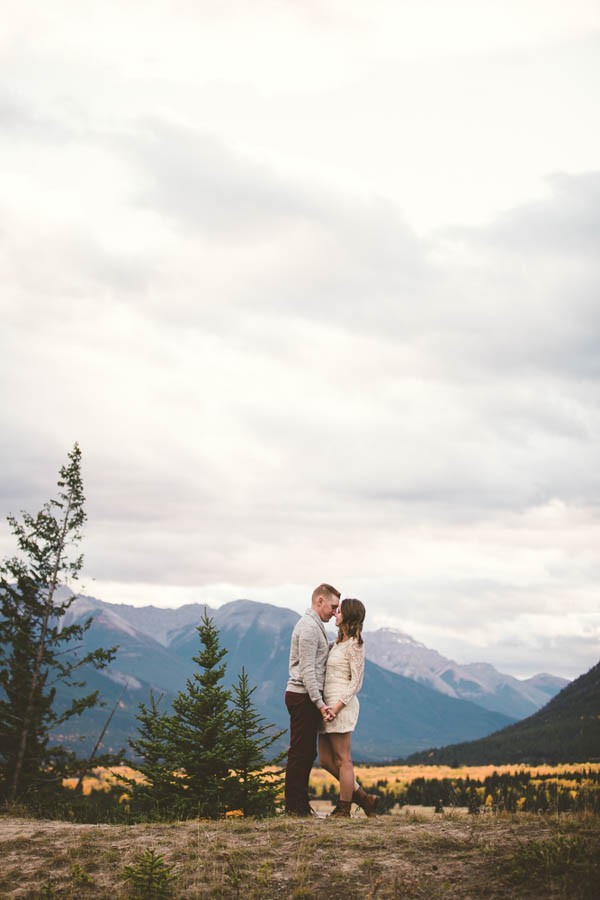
(342,810)
(303,813)
(367,802)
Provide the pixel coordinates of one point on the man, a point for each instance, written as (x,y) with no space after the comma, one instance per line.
(304,700)
(304,696)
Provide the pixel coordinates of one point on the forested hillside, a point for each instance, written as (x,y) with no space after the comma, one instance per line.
(567,729)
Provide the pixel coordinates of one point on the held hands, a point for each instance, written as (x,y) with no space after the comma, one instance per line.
(330,712)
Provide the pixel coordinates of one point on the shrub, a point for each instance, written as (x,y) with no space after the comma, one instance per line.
(149,877)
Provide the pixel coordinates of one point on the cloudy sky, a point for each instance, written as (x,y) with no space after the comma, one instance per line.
(316,286)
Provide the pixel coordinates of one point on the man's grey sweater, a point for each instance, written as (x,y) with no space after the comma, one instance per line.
(308,657)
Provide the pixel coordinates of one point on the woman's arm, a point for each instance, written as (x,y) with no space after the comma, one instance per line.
(356,657)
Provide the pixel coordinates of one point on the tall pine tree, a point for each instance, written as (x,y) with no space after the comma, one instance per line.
(200,726)
(184,755)
(36,648)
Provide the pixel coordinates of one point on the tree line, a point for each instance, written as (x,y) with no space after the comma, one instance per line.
(575,791)
(207,755)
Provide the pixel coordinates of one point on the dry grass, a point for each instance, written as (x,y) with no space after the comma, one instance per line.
(413,856)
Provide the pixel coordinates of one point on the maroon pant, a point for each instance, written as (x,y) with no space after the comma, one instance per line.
(305,720)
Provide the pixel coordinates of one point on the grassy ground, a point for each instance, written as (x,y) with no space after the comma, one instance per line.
(415,855)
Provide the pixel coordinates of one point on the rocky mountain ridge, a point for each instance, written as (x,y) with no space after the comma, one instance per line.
(479,682)
(389,648)
(398,715)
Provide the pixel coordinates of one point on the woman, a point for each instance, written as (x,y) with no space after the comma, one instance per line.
(343,680)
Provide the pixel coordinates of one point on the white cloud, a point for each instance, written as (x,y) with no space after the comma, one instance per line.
(221,276)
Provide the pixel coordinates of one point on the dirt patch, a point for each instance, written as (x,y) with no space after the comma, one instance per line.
(420,856)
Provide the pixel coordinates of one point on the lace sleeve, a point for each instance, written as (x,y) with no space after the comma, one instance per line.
(356,657)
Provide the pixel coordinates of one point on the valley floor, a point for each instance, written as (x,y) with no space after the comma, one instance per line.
(408,855)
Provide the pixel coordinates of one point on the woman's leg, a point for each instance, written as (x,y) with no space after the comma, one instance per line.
(340,744)
(326,758)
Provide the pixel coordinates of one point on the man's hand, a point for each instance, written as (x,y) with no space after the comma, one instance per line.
(327,713)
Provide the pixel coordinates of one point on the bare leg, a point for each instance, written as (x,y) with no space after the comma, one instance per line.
(327,759)
(340,744)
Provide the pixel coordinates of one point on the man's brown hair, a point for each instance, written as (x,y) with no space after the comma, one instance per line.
(325,589)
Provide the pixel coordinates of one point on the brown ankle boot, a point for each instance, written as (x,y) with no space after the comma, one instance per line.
(367,802)
(342,809)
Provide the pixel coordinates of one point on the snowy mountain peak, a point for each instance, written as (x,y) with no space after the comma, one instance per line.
(397,636)
(478,682)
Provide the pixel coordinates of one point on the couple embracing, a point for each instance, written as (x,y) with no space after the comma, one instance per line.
(322,703)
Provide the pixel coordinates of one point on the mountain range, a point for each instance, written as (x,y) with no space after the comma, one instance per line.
(566,730)
(399,714)
(479,682)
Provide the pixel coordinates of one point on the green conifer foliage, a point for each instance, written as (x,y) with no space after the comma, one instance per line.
(199,729)
(150,877)
(256,778)
(208,755)
(184,754)
(157,795)
(36,649)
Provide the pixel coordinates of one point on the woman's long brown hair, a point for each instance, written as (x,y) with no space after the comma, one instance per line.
(353,616)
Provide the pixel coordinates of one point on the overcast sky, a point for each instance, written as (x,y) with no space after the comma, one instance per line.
(316,287)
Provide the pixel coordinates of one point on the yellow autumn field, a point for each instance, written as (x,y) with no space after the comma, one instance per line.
(370,776)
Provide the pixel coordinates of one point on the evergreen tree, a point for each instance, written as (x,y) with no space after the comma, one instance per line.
(209,753)
(254,788)
(157,795)
(150,877)
(185,754)
(199,729)
(36,648)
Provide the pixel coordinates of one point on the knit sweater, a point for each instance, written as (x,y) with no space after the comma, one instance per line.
(308,657)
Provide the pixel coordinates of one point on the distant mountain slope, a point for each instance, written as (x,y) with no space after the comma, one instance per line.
(398,715)
(160,624)
(567,729)
(389,648)
(140,654)
(81,734)
(548,685)
(479,682)
(257,637)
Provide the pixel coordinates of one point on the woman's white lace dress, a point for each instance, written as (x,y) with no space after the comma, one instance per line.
(343,680)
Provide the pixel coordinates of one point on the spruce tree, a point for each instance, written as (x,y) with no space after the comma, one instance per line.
(256,779)
(184,754)
(36,648)
(157,795)
(199,729)
(208,755)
